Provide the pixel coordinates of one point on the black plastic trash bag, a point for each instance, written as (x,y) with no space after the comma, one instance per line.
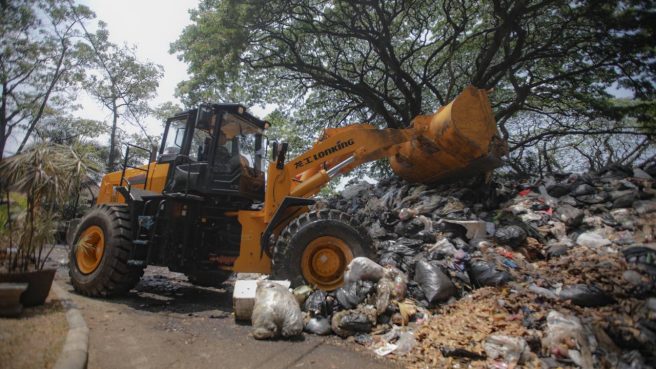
(559,189)
(513,236)
(416,293)
(315,304)
(352,294)
(482,274)
(390,258)
(276,312)
(584,295)
(409,228)
(436,285)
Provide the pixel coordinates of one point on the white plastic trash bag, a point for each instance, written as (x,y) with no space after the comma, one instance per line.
(363,269)
(276,312)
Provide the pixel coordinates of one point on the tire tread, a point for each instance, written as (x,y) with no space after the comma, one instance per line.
(283,248)
(117,277)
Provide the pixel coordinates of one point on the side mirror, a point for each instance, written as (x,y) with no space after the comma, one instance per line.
(280,164)
(274,150)
(204,117)
(153,152)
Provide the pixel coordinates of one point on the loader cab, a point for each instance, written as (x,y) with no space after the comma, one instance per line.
(216,149)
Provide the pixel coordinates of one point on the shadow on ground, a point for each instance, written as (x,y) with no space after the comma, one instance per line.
(161,290)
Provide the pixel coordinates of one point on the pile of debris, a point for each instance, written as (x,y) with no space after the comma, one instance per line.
(556,272)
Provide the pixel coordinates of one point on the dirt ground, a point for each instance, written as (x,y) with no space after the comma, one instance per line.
(35,339)
(165,322)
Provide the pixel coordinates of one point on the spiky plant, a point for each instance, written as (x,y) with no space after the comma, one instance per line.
(84,243)
(48,175)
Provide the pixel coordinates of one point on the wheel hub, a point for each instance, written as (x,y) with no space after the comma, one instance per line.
(89,249)
(324,261)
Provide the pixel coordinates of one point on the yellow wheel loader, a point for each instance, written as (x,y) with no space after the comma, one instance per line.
(204,206)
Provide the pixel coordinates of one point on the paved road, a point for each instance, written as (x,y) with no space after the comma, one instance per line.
(167,323)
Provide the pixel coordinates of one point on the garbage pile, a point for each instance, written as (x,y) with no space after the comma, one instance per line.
(556,272)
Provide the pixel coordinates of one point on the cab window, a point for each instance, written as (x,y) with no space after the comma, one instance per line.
(200,145)
(240,136)
(175,137)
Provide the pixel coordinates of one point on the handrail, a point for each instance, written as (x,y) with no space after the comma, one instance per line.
(125,165)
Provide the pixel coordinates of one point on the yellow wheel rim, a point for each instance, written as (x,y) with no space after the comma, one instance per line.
(324,261)
(89,249)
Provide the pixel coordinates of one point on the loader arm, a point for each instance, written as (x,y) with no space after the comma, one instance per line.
(460,139)
(339,151)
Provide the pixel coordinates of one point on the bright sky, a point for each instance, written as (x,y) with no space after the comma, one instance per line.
(150,25)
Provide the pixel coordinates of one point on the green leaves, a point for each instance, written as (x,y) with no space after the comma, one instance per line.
(391,60)
(47,172)
(40,59)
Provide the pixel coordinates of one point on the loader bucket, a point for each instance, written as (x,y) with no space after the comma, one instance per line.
(460,140)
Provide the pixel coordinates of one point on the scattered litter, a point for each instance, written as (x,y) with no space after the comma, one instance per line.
(543,292)
(301,293)
(512,350)
(386,349)
(363,339)
(476,229)
(592,239)
(407,310)
(405,343)
(565,339)
(460,352)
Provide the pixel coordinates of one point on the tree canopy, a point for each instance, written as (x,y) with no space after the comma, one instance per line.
(47,57)
(385,61)
(122,84)
(40,53)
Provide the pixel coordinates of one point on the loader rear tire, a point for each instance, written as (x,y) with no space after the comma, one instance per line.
(316,247)
(101,269)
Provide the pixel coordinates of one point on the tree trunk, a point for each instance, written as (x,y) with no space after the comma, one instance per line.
(3,121)
(3,139)
(112,139)
(46,97)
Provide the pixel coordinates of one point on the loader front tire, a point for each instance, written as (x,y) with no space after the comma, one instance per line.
(100,251)
(316,247)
